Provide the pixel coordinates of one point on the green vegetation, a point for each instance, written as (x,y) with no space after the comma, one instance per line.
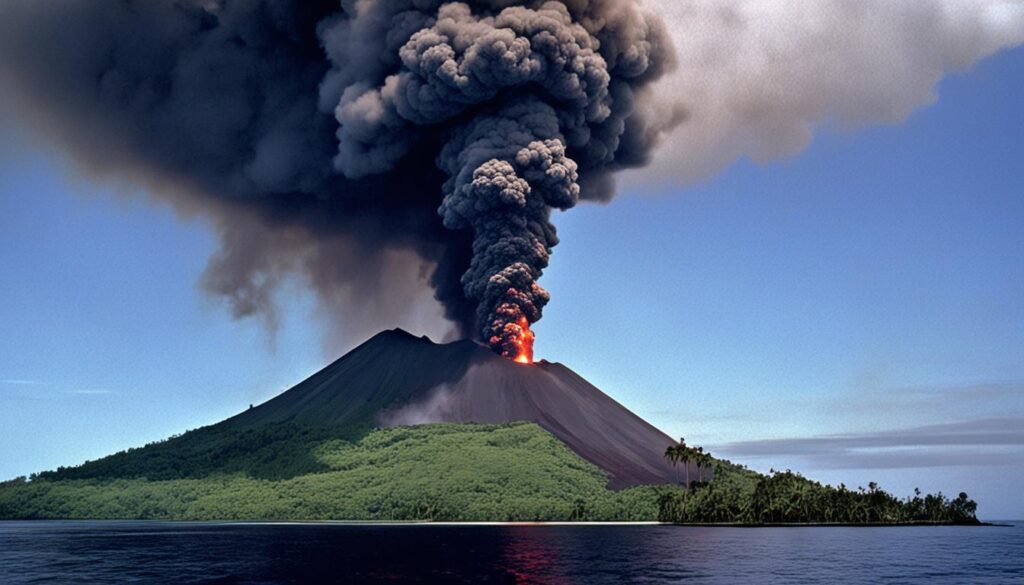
(433,472)
(287,472)
(738,495)
(273,451)
(683,453)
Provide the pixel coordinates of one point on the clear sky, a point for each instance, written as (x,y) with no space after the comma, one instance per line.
(855,312)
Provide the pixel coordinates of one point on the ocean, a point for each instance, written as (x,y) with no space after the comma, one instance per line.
(206,552)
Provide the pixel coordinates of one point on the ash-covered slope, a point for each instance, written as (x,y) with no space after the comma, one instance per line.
(398,379)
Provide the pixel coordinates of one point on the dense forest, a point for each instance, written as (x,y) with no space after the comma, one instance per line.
(740,496)
(439,472)
(286,472)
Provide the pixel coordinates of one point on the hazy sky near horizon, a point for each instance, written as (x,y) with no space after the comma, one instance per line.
(855,312)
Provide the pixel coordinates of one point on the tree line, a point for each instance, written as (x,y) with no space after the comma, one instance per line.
(683,453)
(734,494)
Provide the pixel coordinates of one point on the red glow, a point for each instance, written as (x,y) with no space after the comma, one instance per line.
(524,343)
(533,556)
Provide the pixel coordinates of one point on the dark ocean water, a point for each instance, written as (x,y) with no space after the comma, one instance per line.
(157,552)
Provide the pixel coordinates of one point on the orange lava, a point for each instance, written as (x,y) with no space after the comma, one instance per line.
(525,343)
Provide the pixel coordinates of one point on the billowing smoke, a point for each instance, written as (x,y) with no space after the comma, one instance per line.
(324,138)
(758,78)
(383,148)
(522,99)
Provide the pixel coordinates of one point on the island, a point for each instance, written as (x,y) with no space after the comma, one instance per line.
(404,429)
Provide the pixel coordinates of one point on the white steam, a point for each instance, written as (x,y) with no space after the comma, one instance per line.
(757,78)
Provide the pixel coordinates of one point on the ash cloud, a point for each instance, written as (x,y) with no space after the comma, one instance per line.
(523,99)
(403,157)
(322,138)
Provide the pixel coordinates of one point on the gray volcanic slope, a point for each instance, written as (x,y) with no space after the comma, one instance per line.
(396,378)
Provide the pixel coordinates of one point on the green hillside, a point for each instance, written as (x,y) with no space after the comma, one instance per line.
(287,472)
(468,472)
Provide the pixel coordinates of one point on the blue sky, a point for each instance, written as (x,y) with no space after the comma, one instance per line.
(855,312)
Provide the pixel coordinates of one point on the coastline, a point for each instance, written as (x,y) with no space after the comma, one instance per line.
(995,523)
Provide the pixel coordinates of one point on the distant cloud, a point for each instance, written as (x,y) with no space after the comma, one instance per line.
(91,392)
(52,389)
(912,459)
(977,400)
(988,391)
(971,392)
(981,442)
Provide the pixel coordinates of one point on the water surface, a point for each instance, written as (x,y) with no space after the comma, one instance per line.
(181,552)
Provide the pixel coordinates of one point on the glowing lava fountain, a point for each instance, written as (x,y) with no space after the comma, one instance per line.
(524,343)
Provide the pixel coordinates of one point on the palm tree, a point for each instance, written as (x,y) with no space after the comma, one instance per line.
(684,455)
(672,454)
(699,457)
(677,453)
(705,463)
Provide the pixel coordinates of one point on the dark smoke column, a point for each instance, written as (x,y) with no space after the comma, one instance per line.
(505,196)
(522,97)
(373,147)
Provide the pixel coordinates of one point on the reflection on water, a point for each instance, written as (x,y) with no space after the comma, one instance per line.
(533,556)
(116,552)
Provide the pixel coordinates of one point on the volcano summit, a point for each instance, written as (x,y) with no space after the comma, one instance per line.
(398,379)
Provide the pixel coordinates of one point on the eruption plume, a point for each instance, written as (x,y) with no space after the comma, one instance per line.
(520,93)
(321,138)
(381,148)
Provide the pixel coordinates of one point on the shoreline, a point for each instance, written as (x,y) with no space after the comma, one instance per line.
(430,523)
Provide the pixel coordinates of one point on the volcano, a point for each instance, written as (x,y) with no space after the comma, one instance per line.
(398,379)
